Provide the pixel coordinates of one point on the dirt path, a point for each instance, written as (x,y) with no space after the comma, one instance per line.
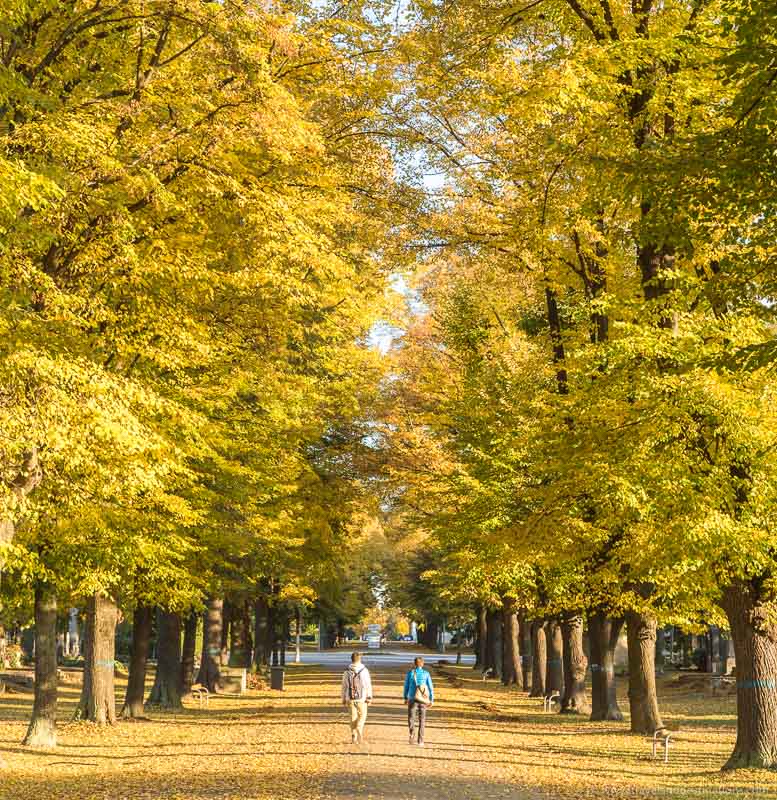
(386,766)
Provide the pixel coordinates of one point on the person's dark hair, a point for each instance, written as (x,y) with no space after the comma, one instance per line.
(419,661)
(356,656)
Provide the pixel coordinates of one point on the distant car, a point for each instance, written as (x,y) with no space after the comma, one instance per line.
(407,638)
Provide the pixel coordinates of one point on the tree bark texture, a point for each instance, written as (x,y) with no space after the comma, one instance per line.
(603,634)
(524,648)
(42,730)
(539,658)
(166,691)
(210,672)
(494,639)
(643,701)
(188,653)
(98,699)
(511,658)
(574,699)
(261,634)
(227,615)
(754,634)
(482,643)
(554,680)
(142,621)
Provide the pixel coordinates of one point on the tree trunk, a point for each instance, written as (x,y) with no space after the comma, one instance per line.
(166,691)
(574,699)
(98,699)
(227,615)
(210,672)
(240,636)
(284,638)
(539,658)
(524,648)
(554,680)
(754,634)
(136,683)
(643,702)
(482,643)
(493,639)
(42,731)
(511,659)
(603,633)
(187,654)
(261,635)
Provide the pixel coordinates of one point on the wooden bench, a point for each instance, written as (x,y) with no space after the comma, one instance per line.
(201,693)
(549,700)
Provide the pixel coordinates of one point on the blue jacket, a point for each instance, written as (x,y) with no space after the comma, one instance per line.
(418,676)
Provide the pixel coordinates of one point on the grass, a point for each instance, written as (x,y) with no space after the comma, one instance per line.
(568,756)
(484,741)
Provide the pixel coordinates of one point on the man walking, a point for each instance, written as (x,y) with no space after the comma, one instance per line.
(357,695)
(419,696)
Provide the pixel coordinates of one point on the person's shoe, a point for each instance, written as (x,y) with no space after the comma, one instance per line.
(420,744)
(354,737)
(410,739)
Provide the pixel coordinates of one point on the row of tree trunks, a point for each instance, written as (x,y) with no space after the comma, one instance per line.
(512,670)
(493,662)
(524,649)
(539,646)
(188,653)
(226,624)
(134,699)
(574,699)
(603,634)
(482,639)
(554,677)
(241,643)
(262,633)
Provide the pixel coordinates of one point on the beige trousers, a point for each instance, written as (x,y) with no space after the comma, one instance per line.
(358,717)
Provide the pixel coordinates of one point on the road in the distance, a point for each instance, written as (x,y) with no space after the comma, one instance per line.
(383,657)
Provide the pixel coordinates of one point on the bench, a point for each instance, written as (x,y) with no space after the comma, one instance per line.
(718,682)
(663,736)
(201,693)
(549,700)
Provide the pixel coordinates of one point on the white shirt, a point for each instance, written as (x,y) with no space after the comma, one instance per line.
(361,670)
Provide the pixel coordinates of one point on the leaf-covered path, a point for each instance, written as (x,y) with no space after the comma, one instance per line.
(386,766)
(483,741)
(294,745)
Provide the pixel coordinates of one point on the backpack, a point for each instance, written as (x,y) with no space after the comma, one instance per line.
(421,692)
(355,684)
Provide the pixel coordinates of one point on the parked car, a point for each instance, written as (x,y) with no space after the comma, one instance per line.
(407,638)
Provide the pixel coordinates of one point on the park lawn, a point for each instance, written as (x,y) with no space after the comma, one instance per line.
(227,751)
(265,745)
(565,756)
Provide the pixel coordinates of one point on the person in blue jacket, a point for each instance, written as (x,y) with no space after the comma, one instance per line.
(419,696)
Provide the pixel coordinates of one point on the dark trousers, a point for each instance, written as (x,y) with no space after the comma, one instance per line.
(416,719)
